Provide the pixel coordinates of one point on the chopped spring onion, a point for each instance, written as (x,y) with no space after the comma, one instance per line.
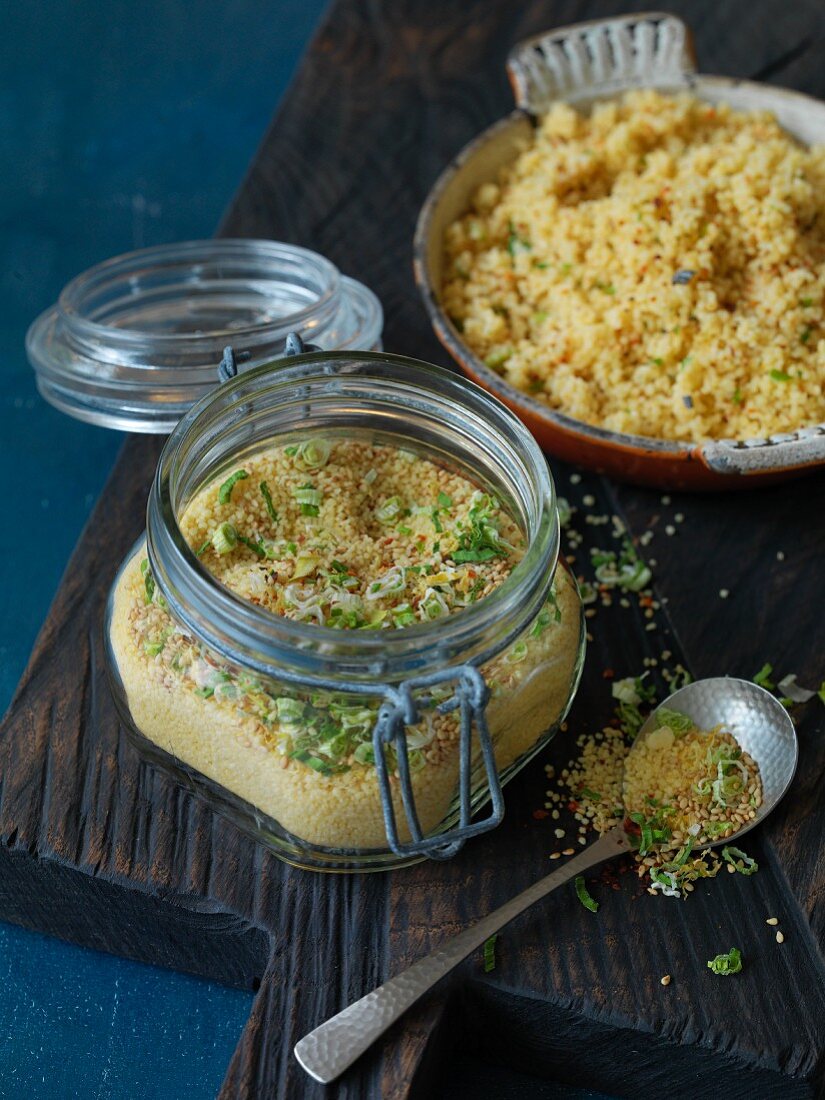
(148,581)
(388,511)
(674,720)
(789,687)
(305,565)
(666,882)
(403,615)
(744,864)
(270,507)
(729,963)
(314,762)
(309,498)
(257,548)
(390,583)
(490,953)
(225,491)
(444,501)
(627,571)
(224,538)
(763,677)
(364,753)
(314,454)
(433,605)
(517,653)
(584,897)
(289,711)
(541,624)
(646,842)
(152,649)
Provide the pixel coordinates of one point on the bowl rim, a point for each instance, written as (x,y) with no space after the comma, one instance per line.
(713,453)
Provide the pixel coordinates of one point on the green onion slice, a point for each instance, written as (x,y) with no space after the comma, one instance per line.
(490,953)
(224,538)
(225,491)
(728,963)
(584,897)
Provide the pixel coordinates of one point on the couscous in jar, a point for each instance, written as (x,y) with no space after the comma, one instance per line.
(320,537)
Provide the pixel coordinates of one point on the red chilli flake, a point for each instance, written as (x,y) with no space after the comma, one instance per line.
(572,806)
(540,814)
(608,674)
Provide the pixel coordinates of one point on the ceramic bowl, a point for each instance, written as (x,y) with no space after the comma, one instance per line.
(582,64)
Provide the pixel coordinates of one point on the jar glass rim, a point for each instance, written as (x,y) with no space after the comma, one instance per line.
(265,640)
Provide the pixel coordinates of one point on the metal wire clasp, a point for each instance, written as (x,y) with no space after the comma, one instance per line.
(228,366)
(400,710)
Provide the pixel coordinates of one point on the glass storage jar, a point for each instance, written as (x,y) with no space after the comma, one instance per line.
(132,343)
(221,691)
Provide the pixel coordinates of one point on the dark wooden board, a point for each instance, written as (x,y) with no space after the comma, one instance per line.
(103,850)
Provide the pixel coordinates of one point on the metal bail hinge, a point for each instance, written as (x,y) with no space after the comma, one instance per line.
(398,711)
(228,366)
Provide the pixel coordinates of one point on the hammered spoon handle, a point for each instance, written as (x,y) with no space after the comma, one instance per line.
(331,1048)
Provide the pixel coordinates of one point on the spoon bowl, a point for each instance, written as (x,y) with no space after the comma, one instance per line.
(756,719)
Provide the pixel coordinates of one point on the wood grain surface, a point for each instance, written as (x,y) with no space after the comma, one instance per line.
(105,851)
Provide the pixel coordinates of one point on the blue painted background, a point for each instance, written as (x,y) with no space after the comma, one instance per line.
(122,124)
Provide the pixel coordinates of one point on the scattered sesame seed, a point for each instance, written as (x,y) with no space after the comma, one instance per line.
(772,920)
(724,593)
(780,938)
(568,851)
(731,869)
(780,555)
(559,833)
(589,500)
(665,980)
(650,626)
(582,840)
(575,479)
(555,855)
(679,517)
(665,500)
(670,529)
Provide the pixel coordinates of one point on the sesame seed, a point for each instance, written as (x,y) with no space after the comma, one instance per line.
(589,500)
(724,593)
(568,851)
(665,980)
(665,500)
(780,938)
(772,920)
(559,833)
(679,517)
(780,555)
(575,479)
(555,855)
(670,529)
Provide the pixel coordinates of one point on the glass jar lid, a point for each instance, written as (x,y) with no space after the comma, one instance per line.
(134,342)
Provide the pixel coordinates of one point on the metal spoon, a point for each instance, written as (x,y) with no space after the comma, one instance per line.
(762,727)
